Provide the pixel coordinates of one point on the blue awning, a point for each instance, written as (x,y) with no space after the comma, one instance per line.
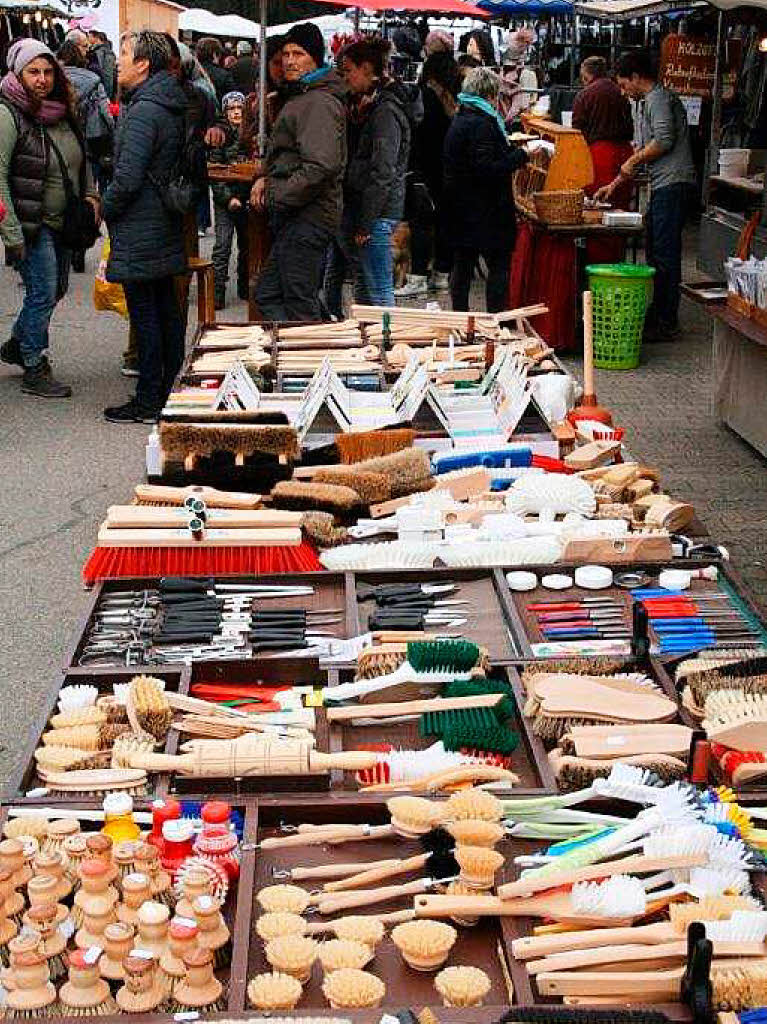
(533,8)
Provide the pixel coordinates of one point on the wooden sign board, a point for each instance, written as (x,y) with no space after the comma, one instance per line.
(688,63)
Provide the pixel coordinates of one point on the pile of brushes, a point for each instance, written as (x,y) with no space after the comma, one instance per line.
(467,714)
(447,861)
(726,691)
(183,537)
(90,926)
(594,718)
(632,492)
(107,743)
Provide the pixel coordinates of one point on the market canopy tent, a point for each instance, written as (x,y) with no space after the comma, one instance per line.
(627,10)
(529,8)
(195,19)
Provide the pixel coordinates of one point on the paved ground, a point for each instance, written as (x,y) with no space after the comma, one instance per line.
(61,464)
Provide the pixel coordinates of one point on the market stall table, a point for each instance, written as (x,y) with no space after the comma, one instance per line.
(740,374)
(544,268)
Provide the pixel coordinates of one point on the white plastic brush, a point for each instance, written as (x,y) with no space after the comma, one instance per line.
(525,551)
(73,698)
(551,492)
(392,555)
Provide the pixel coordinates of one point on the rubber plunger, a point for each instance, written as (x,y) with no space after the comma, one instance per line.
(588,408)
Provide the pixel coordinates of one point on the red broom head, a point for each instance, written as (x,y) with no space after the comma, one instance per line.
(112,563)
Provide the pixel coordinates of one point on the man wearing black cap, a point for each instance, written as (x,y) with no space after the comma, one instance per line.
(301,187)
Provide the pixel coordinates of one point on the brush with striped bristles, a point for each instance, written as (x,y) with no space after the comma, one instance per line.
(64,759)
(85,737)
(710,671)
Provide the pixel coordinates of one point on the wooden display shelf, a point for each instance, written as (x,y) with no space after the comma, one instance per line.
(24,778)
(528,761)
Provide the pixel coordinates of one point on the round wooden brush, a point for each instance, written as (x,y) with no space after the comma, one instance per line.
(85,993)
(41,890)
(98,912)
(95,875)
(147,861)
(200,990)
(8,928)
(349,989)
(182,940)
(424,948)
(57,833)
(213,932)
(52,943)
(137,890)
(32,995)
(143,991)
(118,942)
(275,991)
(52,864)
(153,922)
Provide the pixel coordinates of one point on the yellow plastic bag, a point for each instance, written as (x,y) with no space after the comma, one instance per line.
(107,297)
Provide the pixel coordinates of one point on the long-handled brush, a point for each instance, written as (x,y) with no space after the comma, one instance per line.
(589,409)
(188,552)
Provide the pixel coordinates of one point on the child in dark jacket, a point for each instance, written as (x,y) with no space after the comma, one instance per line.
(230,199)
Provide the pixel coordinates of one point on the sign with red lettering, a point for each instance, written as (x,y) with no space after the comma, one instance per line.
(688,65)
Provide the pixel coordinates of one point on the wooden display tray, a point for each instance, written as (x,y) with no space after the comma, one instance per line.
(237,898)
(24,777)
(485,624)
(528,761)
(330,592)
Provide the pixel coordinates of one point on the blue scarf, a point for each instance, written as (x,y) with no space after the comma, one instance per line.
(486,107)
(315,76)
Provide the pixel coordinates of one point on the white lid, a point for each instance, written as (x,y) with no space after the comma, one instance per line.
(522,580)
(674,579)
(593,577)
(557,581)
(177,830)
(118,803)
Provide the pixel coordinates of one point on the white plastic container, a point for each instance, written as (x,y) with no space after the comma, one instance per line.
(733,163)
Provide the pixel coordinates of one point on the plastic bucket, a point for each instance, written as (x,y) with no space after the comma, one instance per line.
(620,295)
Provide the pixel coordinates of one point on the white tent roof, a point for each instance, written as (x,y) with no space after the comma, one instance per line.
(194,19)
(625,10)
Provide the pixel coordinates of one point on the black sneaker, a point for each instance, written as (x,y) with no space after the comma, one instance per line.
(39,381)
(10,352)
(131,412)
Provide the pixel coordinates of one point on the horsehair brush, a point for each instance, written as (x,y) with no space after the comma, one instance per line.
(179,440)
(247,756)
(371,444)
(408,470)
(295,495)
(218,552)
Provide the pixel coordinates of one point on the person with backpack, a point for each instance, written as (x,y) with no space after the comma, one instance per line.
(44,183)
(102,60)
(145,221)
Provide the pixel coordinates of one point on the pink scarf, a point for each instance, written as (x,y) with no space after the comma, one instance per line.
(47,112)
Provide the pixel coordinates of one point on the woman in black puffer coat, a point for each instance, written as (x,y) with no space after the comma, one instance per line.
(147,239)
(479,163)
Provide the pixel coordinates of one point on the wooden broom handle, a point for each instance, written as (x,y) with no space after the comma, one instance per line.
(627,865)
(337,871)
(413,707)
(337,834)
(588,345)
(364,897)
(346,760)
(632,953)
(377,873)
(211,496)
(596,983)
(459,906)
(544,945)
(395,917)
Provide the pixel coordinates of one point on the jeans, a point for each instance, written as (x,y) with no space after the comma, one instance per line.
(159,330)
(228,225)
(497,286)
(288,287)
(45,273)
(370,265)
(665,219)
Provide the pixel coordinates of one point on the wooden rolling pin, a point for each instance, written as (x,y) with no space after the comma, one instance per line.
(246,757)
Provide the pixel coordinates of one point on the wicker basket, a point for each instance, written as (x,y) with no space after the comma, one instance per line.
(565,207)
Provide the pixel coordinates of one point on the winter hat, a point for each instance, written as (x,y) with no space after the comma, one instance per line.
(232,99)
(24,51)
(309,38)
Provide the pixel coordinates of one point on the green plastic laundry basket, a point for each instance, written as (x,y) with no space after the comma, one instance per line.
(620,294)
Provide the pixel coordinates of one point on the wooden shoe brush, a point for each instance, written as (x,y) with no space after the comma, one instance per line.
(576,773)
(610,741)
(64,759)
(85,993)
(275,991)
(424,945)
(200,991)
(99,780)
(462,986)
(712,670)
(350,989)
